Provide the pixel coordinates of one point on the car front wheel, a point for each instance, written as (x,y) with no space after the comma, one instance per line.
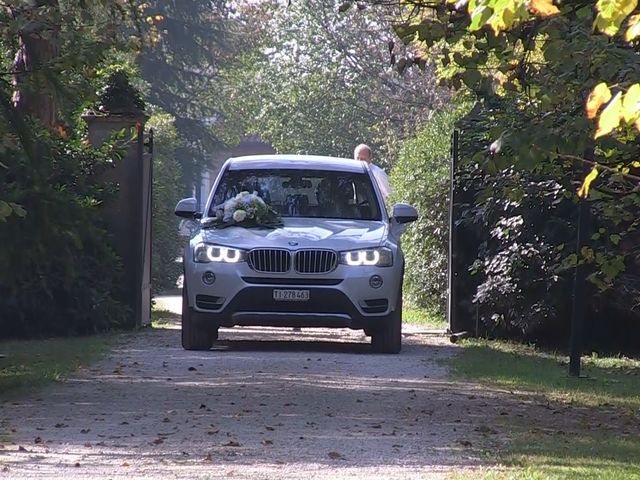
(194,335)
(388,339)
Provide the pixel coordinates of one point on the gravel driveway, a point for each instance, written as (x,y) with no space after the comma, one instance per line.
(262,404)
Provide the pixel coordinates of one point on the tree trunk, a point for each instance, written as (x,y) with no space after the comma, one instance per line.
(34,93)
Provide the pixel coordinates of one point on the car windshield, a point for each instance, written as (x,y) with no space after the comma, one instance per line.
(304,193)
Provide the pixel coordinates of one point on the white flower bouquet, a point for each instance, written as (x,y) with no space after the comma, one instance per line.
(247,210)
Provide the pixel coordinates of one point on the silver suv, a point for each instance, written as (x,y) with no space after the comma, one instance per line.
(294,241)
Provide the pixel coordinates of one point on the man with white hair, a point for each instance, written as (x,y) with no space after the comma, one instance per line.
(363,153)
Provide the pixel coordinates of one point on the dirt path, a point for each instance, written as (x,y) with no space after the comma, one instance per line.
(263,404)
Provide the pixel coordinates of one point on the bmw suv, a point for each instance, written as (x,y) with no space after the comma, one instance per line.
(328,256)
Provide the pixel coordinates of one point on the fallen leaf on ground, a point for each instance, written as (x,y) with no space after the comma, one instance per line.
(37,440)
(22,449)
(267,442)
(335,456)
(192,369)
(125,464)
(85,430)
(158,441)
(231,443)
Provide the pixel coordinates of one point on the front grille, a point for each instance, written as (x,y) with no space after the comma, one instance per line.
(270,260)
(315,261)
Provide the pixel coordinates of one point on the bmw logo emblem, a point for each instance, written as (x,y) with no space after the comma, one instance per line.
(293,244)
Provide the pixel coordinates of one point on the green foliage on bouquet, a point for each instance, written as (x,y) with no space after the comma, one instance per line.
(246,210)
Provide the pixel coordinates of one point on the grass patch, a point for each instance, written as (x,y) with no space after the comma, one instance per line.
(575,457)
(424,317)
(31,363)
(590,454)
(609,380)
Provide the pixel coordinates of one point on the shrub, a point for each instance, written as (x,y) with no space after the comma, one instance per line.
(421,177)
(167,190)
(516,230)
(58,272)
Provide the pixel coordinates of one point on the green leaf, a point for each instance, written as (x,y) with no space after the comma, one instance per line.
(610,116)
(18,210)
(611,14)
(471,78)
(431,31)
(479,17)
(5,210)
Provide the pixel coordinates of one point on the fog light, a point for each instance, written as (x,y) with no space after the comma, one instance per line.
(208,278)
(375,281)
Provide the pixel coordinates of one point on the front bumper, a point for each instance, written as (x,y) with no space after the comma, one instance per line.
(341,298)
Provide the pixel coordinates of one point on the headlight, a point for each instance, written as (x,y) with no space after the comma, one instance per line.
(379,257)
(205,253)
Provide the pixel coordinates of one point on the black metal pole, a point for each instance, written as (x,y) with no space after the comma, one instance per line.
(138,222)
(579,288)
(452,274)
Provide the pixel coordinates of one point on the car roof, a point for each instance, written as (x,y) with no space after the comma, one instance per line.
(301,162)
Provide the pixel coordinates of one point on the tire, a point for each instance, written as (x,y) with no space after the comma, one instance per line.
(194,336)
(389,338)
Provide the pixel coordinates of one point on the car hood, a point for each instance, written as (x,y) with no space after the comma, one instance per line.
(302,233)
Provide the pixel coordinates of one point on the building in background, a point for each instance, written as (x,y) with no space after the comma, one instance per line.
(251,145)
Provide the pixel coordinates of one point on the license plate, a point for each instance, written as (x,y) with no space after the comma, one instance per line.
(291,295)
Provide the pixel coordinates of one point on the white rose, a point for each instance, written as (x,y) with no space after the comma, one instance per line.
(239,215)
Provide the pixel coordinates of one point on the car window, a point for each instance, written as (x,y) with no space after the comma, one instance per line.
(304,193)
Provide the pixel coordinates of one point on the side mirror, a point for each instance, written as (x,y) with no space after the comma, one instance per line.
(187,208)
(404,213)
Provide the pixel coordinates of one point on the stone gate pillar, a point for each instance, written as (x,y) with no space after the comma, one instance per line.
(128,215)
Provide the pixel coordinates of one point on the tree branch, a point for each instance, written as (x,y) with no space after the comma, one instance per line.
(592,163)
